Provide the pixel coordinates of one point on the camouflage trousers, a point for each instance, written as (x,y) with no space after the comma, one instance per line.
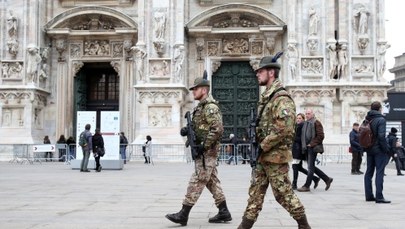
(207,177)
(277,176)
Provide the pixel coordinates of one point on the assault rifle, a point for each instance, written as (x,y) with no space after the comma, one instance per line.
(191,138)
(254,149)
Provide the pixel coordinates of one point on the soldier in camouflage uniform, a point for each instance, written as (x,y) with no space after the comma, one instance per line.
(207,122)
(275,133)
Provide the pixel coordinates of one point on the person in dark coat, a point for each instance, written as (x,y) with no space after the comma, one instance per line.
(357,150)
(298,154)
(98,144)
(376,155)
(392,140)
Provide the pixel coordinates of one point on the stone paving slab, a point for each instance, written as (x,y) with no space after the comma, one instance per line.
(52,195)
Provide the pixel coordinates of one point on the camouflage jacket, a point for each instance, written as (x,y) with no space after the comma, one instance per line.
(276,128)
(207,121)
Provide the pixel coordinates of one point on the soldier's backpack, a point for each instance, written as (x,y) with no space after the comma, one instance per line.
(82,139)
(366,136)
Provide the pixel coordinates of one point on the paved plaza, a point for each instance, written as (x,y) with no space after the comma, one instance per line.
(52,195)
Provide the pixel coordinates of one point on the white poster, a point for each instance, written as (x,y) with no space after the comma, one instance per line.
(110,129)
(83,118)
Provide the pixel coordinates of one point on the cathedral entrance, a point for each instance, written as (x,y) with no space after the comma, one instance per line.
(235,86)
(96,88)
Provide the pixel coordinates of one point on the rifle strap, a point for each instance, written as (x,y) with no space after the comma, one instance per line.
(270,97)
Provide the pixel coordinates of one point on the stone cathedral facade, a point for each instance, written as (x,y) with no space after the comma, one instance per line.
(140,57)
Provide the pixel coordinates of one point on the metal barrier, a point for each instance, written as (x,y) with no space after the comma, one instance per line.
(160,152)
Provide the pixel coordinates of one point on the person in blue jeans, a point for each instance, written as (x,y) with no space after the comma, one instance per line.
(86,149)
(311,136)
(123,147)
(376,155)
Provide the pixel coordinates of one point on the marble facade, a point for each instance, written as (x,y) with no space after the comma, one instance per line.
(334,58)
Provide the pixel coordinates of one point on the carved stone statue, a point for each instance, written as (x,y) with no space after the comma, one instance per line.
(313,22)
(292,55)
(333,62)
(381,64)
(12,45)
(342,61)
(140,54)
(179,59)
(270,44)
(34,59)
(159,26)
(12,23)
(61,48)
(361,15)
(4,70)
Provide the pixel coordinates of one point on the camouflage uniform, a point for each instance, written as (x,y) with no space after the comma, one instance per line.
(207,121)
(275,134)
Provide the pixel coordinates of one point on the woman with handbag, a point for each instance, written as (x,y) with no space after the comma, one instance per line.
(98,148)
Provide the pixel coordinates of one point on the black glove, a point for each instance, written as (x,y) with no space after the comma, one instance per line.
(184,131)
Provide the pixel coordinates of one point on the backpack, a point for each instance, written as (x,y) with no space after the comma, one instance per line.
(82,139)
(366,136)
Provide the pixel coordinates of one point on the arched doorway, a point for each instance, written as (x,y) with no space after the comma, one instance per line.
(235,86)
(96,88)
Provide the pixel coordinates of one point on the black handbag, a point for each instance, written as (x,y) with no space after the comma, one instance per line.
(101,152)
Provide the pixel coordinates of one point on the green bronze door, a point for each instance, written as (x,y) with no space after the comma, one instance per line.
(235,86)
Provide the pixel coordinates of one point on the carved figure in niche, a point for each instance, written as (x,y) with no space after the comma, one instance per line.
(381,64)
(237,46)
(160,69)
(34,59)
(363,68)
(333,62)
(312,45)
(159,46)
(4,70)
(160,24)
(43,75)
(60,47)
(75,50)
(15,70)
(313,22)
(361,15)
(12,46)
(270,44)
(212,48)
(117,49)
(45,54)
(228,46)
(362,42)
(104,48)
(200,47)
(179,59)
(12,23)
(292,55)
(342,60)
(140,54)
(94,24)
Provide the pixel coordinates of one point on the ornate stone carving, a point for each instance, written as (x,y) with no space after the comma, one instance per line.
(116,65)
(159,46)
(254,64)
(13,45)
(236,46)
(362,42)
(179,56)
(12,117)
(93,22)
(97,48)
(140,55)
(77,65)
(159,30)
(292,55)
(153,96)
(11,70)
(363,68)
(257,48)
(200,47)
(159,69)
(33,64)
(235,20)
(213,48)
(127,45)
(313,22)
(61,48)
(361,15)
(117,48)
(312,66)
(215,66)
(75,50)
(160,116)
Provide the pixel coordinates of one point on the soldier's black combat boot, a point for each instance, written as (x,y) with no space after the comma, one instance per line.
(246,223)
(180,217)
(303,223)
(223,214)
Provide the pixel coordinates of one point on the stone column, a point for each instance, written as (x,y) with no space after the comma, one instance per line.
(63,102)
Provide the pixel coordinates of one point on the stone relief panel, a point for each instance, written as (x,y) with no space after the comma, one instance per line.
(76,50)
(159,116)
(97,48)
(257,48)
(312,66)
(213,48)
(357,113)
(11,70)
(236,46)
(12,117)
(117,49)
(159,96)
(92,22)
(159,68)
(362,67)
